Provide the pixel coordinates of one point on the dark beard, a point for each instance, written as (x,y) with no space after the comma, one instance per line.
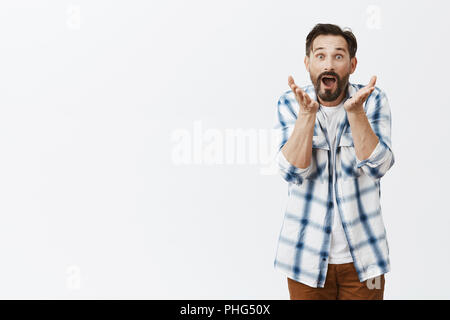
(329,95)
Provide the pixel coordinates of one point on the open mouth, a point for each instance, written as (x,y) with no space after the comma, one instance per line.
(328,81)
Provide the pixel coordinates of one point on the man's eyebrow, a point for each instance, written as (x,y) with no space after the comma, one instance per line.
(338,48)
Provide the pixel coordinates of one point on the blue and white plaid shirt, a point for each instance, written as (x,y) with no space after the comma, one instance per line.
(304,241)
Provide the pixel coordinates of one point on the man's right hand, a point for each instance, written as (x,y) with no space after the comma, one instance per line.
(307,105)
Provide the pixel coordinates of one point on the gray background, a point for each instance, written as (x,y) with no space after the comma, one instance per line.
(99,101)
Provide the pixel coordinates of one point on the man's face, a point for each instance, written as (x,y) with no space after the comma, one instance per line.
(329,66)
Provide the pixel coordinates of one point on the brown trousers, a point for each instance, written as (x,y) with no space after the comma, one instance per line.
(342,283)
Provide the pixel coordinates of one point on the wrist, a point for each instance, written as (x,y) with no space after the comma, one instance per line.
(356,112)
(306,116)
(306,119)
(307,113)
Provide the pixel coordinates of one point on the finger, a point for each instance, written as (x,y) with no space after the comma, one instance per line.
(291,83)
(364,91)
(365,95)
(290,80)
(307,99)
(293,88)
(297,92)
(361,96)
(301,95)
(372,82)
(369,91)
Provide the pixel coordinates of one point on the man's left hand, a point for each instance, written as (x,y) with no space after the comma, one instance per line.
(356,102)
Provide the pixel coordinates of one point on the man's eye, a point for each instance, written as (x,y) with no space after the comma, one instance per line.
(339,57)
(320,56)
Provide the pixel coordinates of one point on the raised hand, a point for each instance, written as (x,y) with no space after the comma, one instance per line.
(356,102)
(307,105)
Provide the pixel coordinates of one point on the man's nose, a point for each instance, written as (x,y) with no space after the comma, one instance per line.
(329,66)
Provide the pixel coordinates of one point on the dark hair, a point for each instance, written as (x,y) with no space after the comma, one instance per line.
(326,28)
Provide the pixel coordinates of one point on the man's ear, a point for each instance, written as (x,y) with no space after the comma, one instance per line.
(306,61)
(353,63)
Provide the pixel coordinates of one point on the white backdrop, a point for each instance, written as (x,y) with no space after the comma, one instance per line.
(136,143)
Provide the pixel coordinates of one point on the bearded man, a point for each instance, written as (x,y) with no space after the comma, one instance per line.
(334,147)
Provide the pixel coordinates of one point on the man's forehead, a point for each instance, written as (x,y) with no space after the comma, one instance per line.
(329,42)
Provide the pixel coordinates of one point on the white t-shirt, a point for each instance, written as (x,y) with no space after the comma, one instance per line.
(339,250)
